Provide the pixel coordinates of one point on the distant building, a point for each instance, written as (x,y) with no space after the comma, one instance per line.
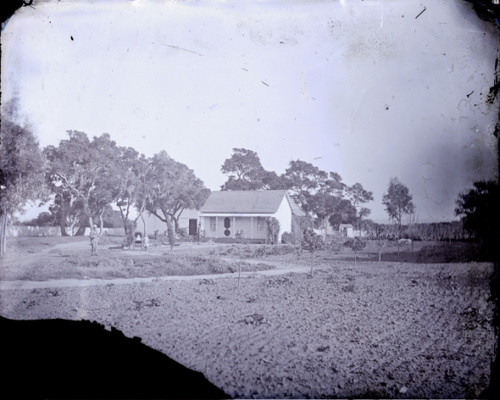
(231,215)
(346,230)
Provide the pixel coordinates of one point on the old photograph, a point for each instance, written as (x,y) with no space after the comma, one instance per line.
(250,199)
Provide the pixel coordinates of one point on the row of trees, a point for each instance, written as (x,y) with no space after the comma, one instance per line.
(87,176)
(431,231)
(324,196)
(319,193)
(82,178)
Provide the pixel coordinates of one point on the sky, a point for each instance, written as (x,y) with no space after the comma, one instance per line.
(368,89)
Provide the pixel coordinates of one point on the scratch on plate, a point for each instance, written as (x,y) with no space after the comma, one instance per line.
(183,49)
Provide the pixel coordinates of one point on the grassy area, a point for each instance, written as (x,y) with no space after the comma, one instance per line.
(104,266)
(37,244)
(421,252)
(37,258)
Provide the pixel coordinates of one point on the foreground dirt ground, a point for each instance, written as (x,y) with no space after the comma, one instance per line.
(375,330)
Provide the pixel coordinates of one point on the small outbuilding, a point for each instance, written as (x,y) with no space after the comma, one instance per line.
(247,215)
(346,230)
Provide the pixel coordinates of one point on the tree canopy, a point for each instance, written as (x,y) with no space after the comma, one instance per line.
(21,169)
(478,208)
(398,201)
(174,188)
(83,174)
(245,172)
(320,193)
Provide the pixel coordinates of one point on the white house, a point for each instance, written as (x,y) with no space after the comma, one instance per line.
(233,215)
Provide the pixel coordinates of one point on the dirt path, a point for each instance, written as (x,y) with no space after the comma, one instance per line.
(61,283)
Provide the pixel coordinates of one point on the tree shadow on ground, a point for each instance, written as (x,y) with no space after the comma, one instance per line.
(81,359)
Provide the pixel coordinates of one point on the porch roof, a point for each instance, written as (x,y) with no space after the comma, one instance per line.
(247,202)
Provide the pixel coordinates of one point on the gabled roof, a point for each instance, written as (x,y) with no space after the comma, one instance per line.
(248,202)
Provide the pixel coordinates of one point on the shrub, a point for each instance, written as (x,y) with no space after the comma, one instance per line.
(311,241)
(288,238)
(356,245)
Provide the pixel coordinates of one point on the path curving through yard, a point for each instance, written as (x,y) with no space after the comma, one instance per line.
(61,283)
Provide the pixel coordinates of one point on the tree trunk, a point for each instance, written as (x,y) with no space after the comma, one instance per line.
(101,222)
(3,234)
(72,227)
(80,231)
(144,233)
(62,219)
(124,220)
(170,232)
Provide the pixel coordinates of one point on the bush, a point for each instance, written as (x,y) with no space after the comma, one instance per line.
(254,251)
(311,241)
(288,238)
(356,244)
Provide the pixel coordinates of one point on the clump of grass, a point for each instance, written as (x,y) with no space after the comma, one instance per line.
(77,267)
(254,250)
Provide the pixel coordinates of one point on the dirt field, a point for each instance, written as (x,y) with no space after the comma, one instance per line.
(380,329)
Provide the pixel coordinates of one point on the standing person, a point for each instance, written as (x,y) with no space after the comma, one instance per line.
(94,239)
(145,242)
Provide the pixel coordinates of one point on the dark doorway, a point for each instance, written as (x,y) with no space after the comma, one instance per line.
(193,227)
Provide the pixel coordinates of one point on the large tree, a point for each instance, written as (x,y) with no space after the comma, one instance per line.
(21,169)
(398,202)
(245,172)
(134,187)
(358,195)
(84,172)
(319,193)
(304,179)
(174,189)
(478,207)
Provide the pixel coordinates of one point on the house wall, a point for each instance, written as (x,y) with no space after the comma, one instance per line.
(284,217)
(249,227)
(153,223)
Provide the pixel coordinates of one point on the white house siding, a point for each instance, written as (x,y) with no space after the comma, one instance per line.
(187,215)
(284,217)
(250,227)
(153,223)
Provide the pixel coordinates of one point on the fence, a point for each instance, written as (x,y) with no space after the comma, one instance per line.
(31,231)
